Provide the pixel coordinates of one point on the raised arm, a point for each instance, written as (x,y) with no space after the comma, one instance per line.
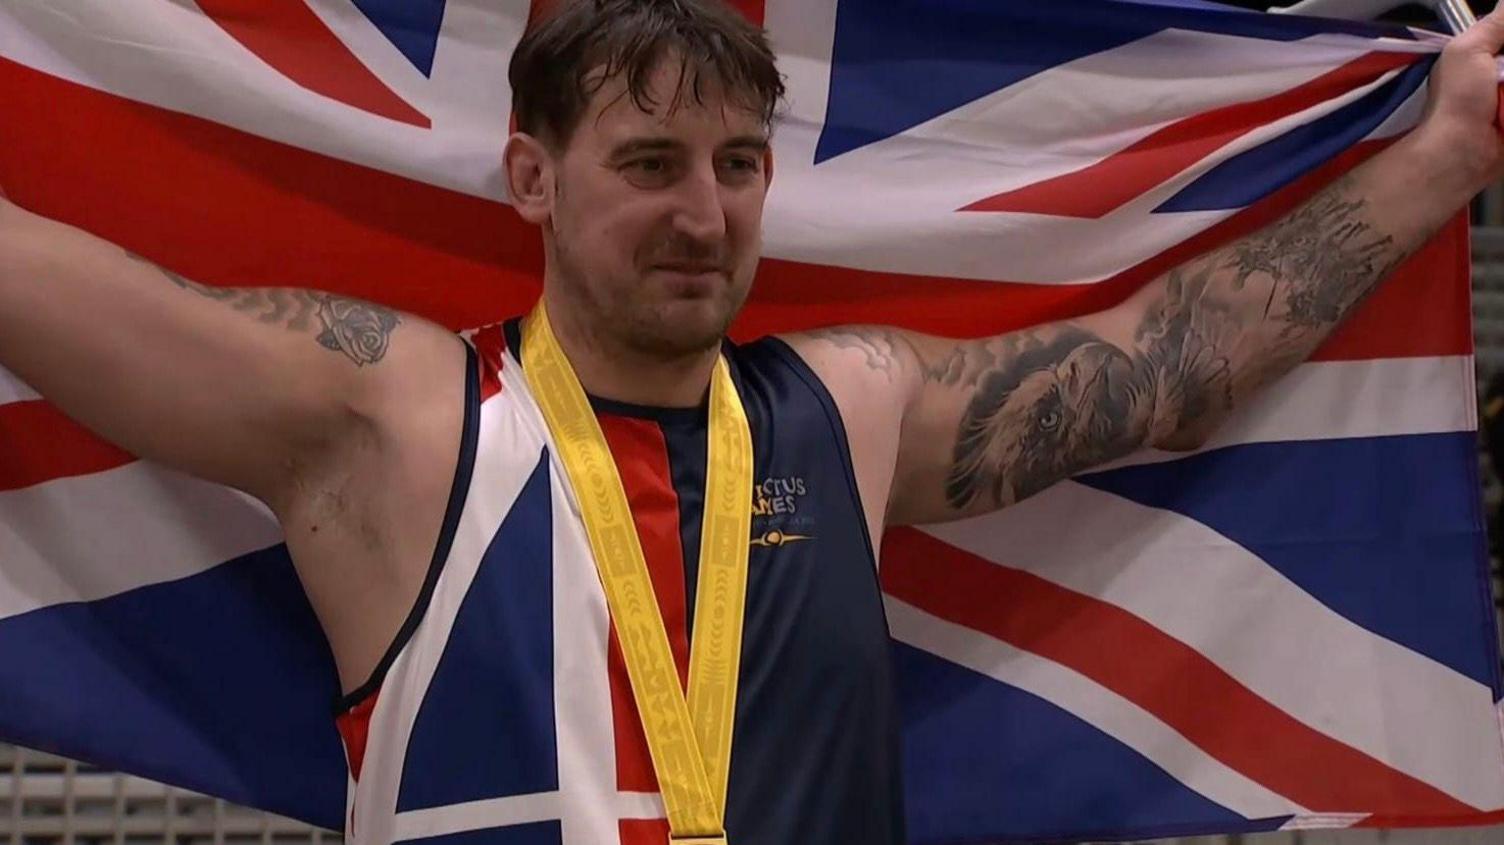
(246,387)
(987,422)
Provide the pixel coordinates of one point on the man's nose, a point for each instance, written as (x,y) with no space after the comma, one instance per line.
(701,214)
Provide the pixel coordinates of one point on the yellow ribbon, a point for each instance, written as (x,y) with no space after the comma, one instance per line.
(689,739)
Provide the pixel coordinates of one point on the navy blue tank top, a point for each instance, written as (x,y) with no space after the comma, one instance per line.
(815,757)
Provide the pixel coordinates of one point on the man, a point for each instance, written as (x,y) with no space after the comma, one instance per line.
(643,156)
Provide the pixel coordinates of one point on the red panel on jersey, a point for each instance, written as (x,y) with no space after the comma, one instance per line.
(354,728)
(642,459)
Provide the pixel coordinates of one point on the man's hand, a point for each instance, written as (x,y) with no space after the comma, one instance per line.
(1463,110)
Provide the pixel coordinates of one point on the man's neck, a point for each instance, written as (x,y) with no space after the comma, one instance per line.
(608,371)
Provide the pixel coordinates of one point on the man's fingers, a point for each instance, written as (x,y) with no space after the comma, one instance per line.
(1486,35)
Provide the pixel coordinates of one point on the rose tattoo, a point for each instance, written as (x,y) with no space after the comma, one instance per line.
(358,329)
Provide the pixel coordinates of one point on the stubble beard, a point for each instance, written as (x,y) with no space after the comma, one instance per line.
(625,322)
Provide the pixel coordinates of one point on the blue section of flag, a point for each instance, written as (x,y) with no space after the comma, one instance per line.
(1372,29)
(991,757)
(1193,4)
(156,681)
(411,25)
(1385,530)
(1254,174)
(898,63)
(537,833)
(486,725)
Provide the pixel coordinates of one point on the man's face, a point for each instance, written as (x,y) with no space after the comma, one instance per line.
(656,222)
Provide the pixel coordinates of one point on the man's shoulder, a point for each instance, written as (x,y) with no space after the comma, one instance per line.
(874,362)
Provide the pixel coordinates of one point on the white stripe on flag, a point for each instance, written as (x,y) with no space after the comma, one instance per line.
(172,56)
(12,389)
(1328,400)
(173,537)
(86,538)
(1324,821)
(1101,707)
(1178,575)
(379,54)
(1405,117)
(892,206)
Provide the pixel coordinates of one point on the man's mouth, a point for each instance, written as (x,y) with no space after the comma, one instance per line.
(690,280)
(688,268)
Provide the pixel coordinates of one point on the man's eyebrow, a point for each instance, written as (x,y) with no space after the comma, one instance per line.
(636,146)
(758,143)
(644,145)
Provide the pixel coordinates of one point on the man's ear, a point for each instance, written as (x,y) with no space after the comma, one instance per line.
(530,178)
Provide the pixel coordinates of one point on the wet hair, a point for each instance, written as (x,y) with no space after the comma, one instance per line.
(574,50)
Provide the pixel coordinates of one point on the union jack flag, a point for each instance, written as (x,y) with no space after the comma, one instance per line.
(1290,627)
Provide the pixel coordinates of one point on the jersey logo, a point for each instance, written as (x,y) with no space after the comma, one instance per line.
(774,537)
(776,512)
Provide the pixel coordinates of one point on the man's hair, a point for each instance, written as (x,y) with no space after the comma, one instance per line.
(567,57)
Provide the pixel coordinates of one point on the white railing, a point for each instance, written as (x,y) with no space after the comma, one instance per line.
(47,800)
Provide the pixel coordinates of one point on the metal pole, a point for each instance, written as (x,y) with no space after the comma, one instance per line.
(1454,13)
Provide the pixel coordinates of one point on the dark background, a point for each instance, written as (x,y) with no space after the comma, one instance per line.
(1410,14)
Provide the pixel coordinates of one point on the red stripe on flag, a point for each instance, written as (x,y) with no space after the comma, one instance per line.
(287,35)
(242,210)
(1098,189)
(239,207)
(1421,311)
(1425,308)
(755,10)
(1159,673)
(1389,324)
(41,444)
(1390,820)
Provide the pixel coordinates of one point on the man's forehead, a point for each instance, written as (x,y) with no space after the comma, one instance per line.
(671,107)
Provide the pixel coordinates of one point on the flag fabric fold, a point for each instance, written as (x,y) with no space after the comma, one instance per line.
(1290,627)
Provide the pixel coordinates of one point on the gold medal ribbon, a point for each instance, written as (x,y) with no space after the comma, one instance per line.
(689,739)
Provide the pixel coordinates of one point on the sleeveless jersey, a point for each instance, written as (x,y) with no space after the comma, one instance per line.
(502,713)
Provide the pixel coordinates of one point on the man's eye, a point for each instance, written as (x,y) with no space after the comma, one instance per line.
(651,172)
(742,165)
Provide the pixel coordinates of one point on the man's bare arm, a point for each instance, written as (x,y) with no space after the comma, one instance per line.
(987,422)
(246,387)
(994,420)
(361,331)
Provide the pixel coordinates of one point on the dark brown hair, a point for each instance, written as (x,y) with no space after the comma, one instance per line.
(557,66)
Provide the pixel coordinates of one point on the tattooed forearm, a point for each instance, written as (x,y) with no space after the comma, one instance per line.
(1046,404)
(359,330)
(1319,262)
